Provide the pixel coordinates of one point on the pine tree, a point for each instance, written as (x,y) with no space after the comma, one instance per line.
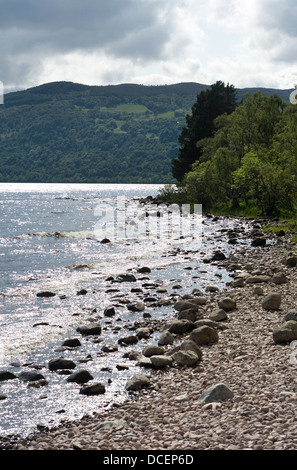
(215,101)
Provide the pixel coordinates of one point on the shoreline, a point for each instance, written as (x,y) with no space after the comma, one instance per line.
(168,414)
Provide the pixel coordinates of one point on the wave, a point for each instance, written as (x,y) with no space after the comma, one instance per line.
(83,234)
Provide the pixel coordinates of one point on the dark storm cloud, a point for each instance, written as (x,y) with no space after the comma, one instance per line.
(70,24)
(113,40)
(31,30)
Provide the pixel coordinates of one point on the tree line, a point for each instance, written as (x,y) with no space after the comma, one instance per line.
(239,155)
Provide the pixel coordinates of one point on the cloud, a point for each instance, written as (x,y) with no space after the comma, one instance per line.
(33,30)
(277,16)
(100,42)
(67,25)
(275,30)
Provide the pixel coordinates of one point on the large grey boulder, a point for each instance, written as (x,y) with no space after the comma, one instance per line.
(109,348)
(239,282)
(105,240)
(184,305)
(212,288)
(207,322)
(291,262)
(152,350)
(258,291)
(161,361)
(179,326)
(185,358)
(137,382)
(126,278)
(61,363)
(279,278)
(189,345)
(30,376)
(144,361)
(109,312)
(136,307)
(227,304)
(257,279)
(6,375)
(216,393)
(46,294)
(218,315)
(204,335)
(272,301)
(126,340)
(165,338)
(190,314)
(286,332)
(93,389)
(291,315)
(80,377)
(143,333)
(199,301)
(259,241)
(72,343)
(218,256)
(144,269)
(91,329)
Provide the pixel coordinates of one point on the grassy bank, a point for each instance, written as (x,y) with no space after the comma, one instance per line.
(284,221)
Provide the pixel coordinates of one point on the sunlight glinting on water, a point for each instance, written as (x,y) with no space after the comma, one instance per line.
(51,240)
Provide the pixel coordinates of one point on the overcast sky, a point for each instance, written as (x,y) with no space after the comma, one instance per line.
(246,43)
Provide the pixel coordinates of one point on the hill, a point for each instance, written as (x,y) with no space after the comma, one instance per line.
(70,132)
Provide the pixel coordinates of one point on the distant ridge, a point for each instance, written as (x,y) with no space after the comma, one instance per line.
(129,89)
(133,91)
(71,132)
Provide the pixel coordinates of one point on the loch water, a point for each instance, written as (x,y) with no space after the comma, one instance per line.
(51,241)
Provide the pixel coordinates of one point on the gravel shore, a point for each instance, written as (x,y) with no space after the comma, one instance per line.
(261,373)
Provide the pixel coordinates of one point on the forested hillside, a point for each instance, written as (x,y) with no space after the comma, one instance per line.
(67,132)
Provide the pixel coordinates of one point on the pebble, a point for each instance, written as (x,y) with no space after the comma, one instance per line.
(260,412)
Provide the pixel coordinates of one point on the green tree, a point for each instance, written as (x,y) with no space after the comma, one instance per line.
(247,160)
(213,102)
(262,177)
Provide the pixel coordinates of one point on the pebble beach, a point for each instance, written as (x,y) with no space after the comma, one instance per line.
(250,355)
